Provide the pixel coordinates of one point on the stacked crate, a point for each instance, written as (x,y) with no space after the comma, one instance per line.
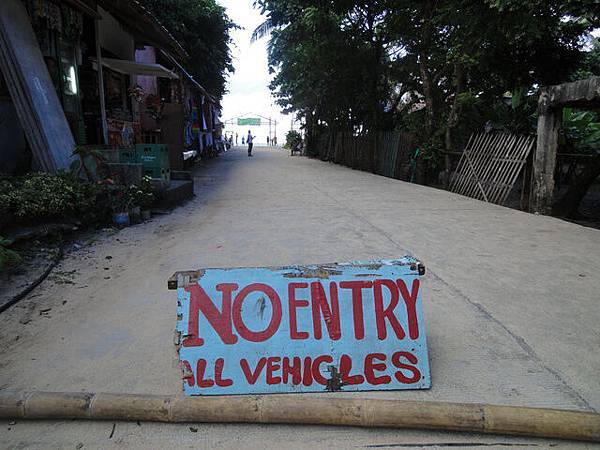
(155,161)
(128,156)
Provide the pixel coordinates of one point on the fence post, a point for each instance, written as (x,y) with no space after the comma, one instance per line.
(545,155)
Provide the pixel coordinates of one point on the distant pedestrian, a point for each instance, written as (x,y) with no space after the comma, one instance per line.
(243,141)
(268,140)
(275,141)
(249,140)
(236,139)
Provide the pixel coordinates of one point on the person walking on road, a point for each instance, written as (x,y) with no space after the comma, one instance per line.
(249,140)
(236,139)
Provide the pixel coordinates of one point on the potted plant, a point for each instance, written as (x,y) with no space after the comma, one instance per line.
(121,202)
(135,214)
(144,196)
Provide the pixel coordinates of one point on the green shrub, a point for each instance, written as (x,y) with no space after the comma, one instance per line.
(292,137)
(41,197)
(143,193)
(44,196)
(581,131)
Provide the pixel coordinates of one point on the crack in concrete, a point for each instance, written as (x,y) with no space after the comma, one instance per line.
(520,341)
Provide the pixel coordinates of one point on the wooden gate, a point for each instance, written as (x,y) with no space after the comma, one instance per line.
(490,165)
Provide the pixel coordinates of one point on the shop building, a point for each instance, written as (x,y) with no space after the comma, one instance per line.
(99,73)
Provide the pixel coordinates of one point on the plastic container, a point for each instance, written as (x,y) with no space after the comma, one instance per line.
(152,155)
(128,155)
(121,219)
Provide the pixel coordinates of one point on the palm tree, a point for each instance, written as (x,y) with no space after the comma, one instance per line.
(262,30)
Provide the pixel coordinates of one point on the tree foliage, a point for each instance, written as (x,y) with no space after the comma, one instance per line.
(203,29)
(454,64)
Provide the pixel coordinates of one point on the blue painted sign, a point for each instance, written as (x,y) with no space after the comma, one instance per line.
(350,327)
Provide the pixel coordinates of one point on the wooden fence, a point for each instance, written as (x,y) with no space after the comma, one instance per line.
(490,164)
(386,153)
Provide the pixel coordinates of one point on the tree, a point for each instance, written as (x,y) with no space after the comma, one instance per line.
(485,49)
(348,65)
(329,60)
(203,29)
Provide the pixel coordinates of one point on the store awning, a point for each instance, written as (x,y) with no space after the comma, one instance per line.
(137,68)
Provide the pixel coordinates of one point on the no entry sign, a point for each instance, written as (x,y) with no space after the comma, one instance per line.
(351,327)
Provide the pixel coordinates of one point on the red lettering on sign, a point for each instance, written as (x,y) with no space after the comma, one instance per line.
(222,382)
(320,307)
(251,377)
(382,313)
(345,369)
(416,374)
(294,369)
(220,320)
(309,371)
(371,367)
(241,327)
(200,371)
(189,378)
(226,315)
(307,376)
(411,305)
(357,304)
(316,368)
(293,304)
(272,366)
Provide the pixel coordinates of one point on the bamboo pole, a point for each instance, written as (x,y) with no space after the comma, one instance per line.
(299,409)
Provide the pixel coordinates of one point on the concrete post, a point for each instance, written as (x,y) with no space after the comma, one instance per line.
(544,162)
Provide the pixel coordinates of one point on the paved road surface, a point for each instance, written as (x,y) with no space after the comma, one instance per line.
(512,300)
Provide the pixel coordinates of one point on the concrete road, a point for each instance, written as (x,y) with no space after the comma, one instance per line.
(512,301)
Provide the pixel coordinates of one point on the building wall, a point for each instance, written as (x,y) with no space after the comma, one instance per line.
(114,38)
(148,83)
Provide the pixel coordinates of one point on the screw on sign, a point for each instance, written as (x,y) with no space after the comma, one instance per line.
(355,326)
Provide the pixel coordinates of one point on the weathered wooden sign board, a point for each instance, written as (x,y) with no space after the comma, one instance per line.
(32,91)
(351,327)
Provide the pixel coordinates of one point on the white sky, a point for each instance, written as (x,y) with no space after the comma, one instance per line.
(249,94)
